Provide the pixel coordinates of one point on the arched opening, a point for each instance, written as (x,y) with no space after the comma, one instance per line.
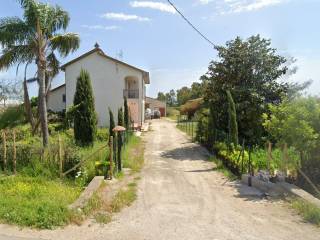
(131,90)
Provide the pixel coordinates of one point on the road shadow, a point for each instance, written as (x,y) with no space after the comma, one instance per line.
(190,153)
(252,194)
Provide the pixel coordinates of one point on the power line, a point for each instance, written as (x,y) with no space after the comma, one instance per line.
(194,27)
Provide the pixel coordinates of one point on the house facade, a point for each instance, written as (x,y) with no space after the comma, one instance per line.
(112,80)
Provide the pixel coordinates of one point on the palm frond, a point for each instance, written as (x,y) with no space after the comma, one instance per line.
(15,54)
(65,43)
(13,31)
(53,65)
(59,19)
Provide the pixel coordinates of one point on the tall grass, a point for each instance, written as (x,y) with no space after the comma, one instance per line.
(36,202)
(308,211)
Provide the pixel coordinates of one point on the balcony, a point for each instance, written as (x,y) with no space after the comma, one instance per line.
(131,94)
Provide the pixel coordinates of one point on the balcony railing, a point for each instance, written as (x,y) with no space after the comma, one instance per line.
(128,93)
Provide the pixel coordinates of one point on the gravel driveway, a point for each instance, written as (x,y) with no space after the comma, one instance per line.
(181,197)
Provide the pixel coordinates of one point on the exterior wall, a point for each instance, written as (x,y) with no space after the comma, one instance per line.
(108,82)
(55,100)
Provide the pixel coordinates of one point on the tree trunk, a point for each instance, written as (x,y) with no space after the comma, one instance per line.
(41,63)
(27,104)
(43,105)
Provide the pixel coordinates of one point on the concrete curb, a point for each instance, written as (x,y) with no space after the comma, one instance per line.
(280,189)
(87,193)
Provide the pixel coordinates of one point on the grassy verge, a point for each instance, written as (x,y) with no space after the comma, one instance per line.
(133,158)
(173,113)
(36,202)
(221,168)
(308,211)
(133,154)
(124,198)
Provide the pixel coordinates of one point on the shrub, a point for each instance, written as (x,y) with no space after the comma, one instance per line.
(85,120)
(120,117)
(233,126)
(103,134)
(12,116)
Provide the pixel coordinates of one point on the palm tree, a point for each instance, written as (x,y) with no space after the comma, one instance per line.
(36,38)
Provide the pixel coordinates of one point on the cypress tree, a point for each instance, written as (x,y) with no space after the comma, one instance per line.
(126,114)
(233,126)
(111,123)
(120,117)
(85,119)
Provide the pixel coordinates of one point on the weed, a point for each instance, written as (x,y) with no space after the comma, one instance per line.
(133,155)
(124,198)
(103,218)
(35,202)
(308,211)
(221,168)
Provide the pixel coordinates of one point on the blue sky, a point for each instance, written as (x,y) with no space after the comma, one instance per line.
(152,36)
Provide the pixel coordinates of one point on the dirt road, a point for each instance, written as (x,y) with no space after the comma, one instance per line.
(181,197)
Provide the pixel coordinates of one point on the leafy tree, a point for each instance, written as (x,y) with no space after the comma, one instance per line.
(36,38)
(297,123)
(171,98)
(85,119)
(196,90)
(126,114)
(161,96)
(183,95)
(112,124)
(233,126)
(250,69)
(191,107)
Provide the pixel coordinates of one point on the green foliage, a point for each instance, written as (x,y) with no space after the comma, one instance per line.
(185,94)
(85,119)
(103,135)
(202,116)
(309,212)
(233,126)
(126,114)
(220,167)
(161,96)
(112,124)
(133,154)
(171,98)
(12,116)
(251,69)
(22,41)
(35,202)
(233,160)
(120,117)
(124,198)
(190,107)
(297,123)
(173,113)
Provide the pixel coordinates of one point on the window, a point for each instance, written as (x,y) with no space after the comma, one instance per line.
(63,98)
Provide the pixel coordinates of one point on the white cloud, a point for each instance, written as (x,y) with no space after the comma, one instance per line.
(153,5)
(238,6)
(100,27)
(124,17)
(204,1)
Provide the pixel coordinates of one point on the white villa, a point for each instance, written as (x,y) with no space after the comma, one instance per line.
(111,80)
